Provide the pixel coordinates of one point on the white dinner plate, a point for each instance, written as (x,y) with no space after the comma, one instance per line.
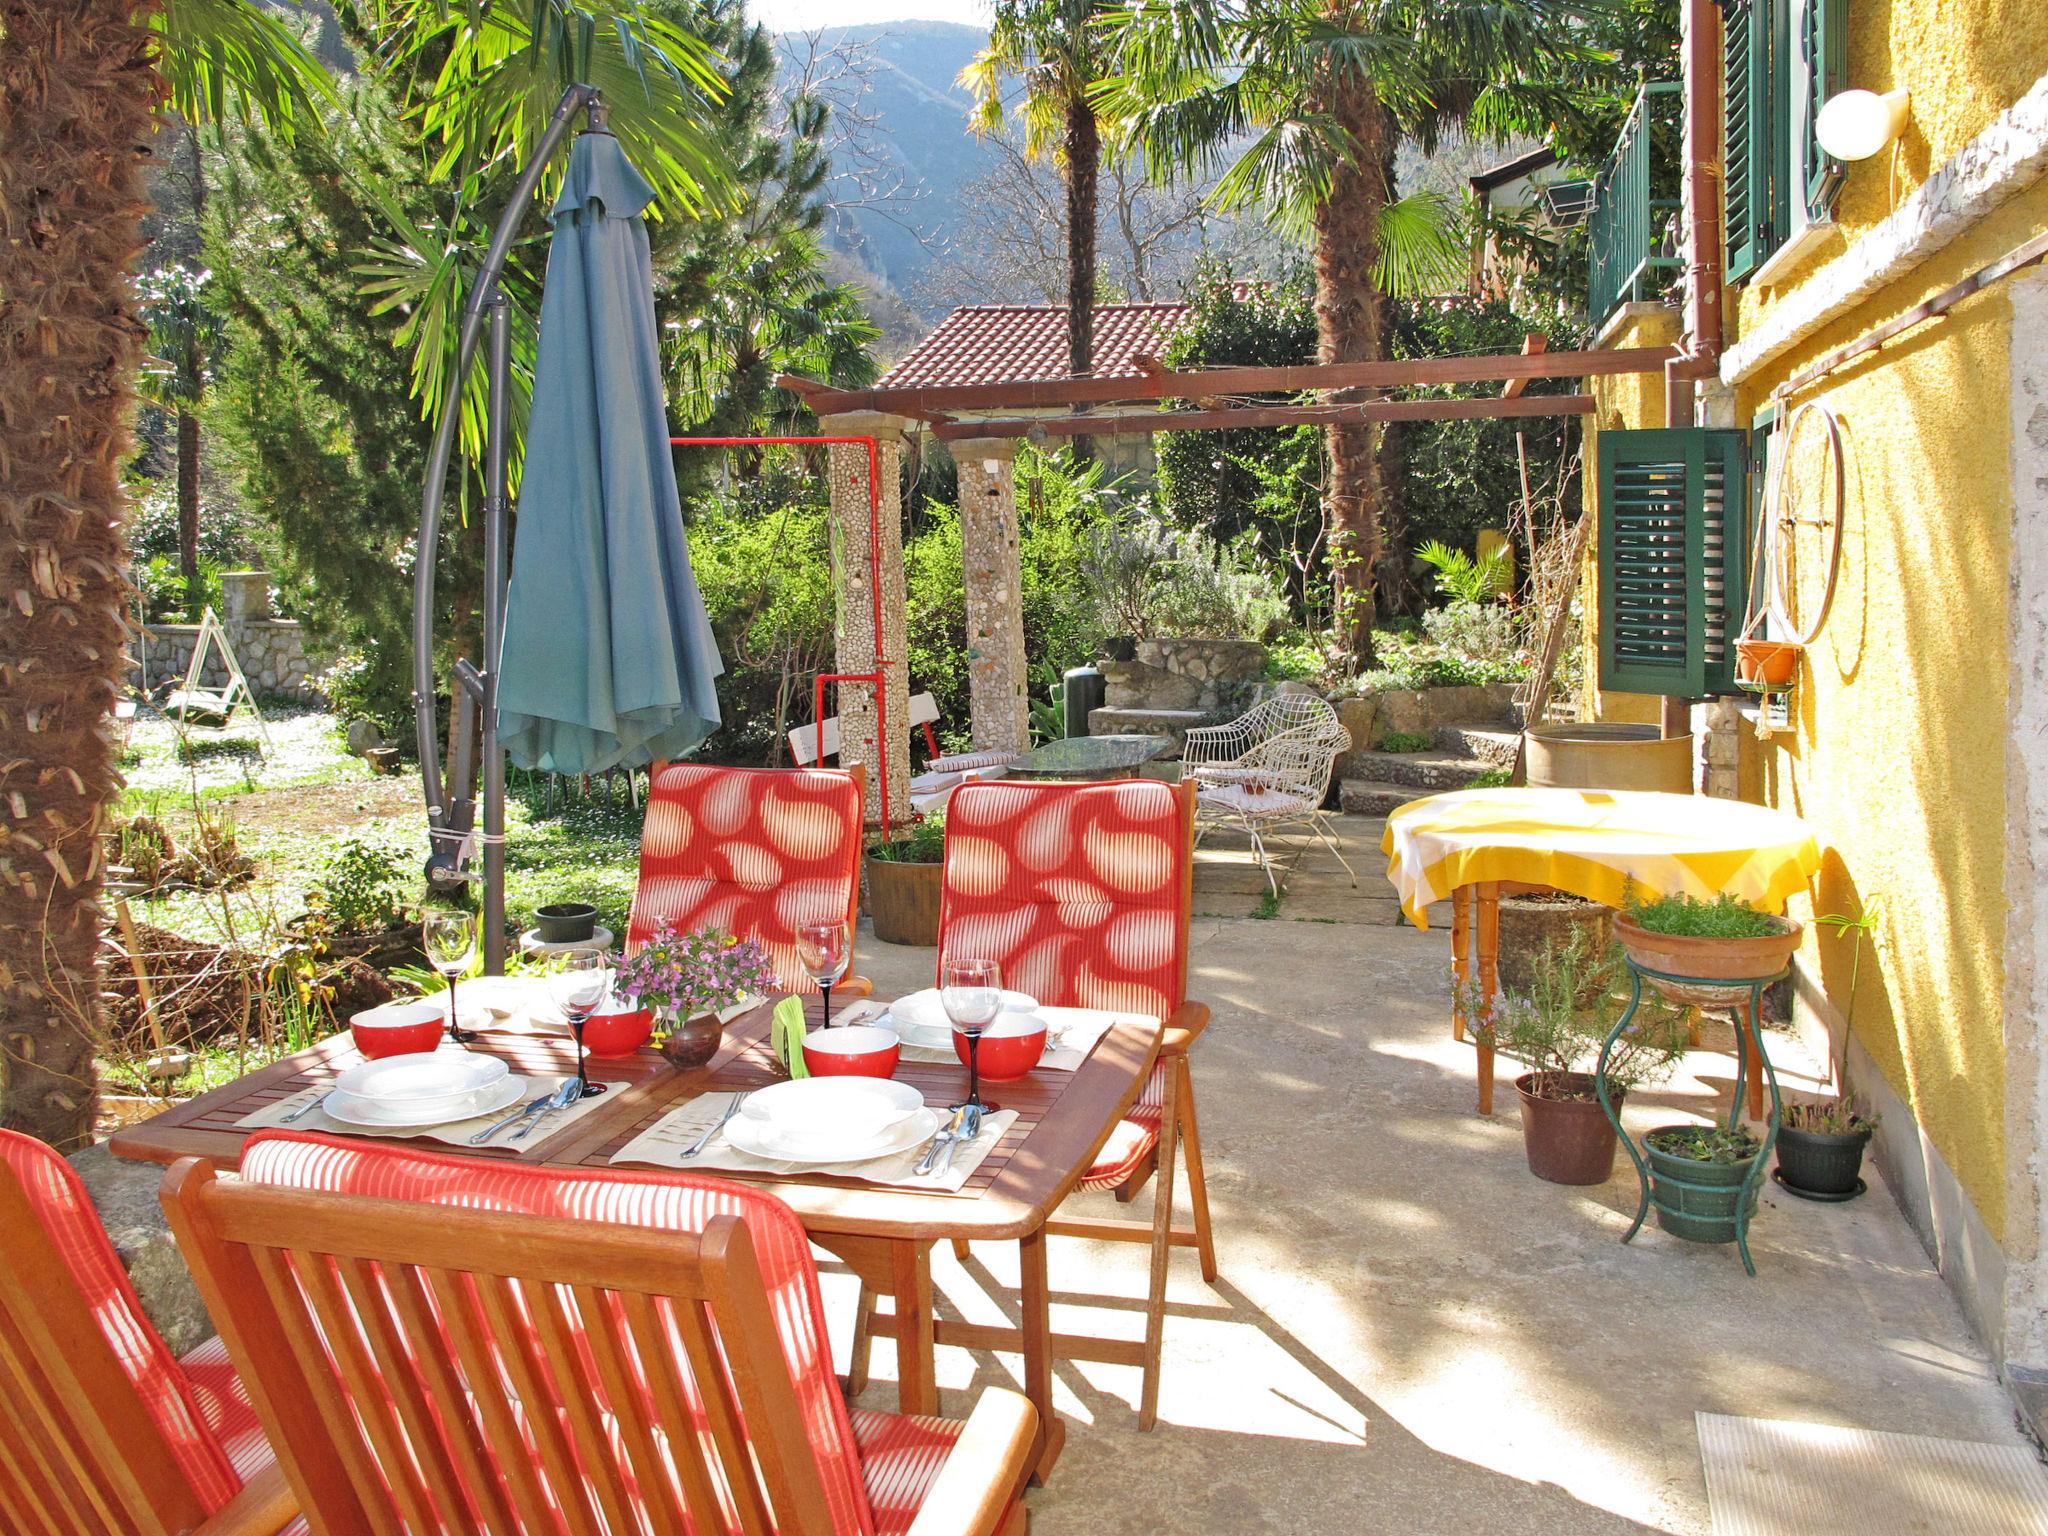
(829,1112)
(925,1009)
(353,1111)
(940,1037)
(759,1139)
(442,1074)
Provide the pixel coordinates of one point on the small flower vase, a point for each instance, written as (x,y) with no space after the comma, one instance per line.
(688,1043)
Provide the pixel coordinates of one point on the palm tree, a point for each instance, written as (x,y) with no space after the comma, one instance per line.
(1056,46)
(83,84)
(1303,102)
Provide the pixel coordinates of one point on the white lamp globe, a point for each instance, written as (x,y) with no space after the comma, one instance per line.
(1858,124)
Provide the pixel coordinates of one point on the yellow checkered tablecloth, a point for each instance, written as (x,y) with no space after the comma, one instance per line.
(1593,843)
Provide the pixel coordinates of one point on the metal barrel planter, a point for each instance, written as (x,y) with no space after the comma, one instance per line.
(1699,1201)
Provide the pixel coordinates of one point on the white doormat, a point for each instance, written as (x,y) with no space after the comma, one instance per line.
(1774,1477)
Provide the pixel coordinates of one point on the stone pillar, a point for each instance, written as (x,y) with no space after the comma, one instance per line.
(244,596)
(994,576)
(855,583)
(1718,724)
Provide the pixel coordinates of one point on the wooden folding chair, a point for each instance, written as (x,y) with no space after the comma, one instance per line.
(440,1344)
(103,1432)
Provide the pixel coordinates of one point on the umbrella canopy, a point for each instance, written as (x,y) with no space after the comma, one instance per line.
(608,658)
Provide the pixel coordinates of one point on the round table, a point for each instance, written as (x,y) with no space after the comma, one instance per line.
(1473,844)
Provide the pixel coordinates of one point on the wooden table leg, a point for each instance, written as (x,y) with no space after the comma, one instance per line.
(917,1388)
(1461,959)
(1486,940)
(1036,1322)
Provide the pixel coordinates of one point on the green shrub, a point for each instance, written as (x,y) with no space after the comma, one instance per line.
(1150,580)
(1838,1117)
(1706,1143)
(359,891)
(1556,1028)
(1492,778)
(922,842)
(1725,917)
(1405,741)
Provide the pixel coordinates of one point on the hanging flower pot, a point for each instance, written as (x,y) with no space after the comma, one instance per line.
(1769,662)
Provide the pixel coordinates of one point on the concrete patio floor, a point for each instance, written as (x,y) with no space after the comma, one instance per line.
(1411,1333)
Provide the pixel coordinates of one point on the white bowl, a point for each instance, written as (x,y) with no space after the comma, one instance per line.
(422,1079)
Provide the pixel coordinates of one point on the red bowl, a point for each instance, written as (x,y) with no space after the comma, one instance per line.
(618,1032)
(851,1050)
(1010,1047)
(400,1029)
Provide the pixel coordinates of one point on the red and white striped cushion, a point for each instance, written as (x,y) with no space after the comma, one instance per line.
(230,1416)
(755,851)
(900,1456)
(657,1200)
(1078,890)
(72,1223)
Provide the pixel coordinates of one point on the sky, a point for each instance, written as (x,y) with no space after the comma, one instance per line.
(806,15)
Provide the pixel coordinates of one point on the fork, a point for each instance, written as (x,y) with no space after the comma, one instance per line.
(705,1140)
(942,1142)
(305,1109)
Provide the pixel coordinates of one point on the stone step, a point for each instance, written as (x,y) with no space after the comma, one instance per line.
(1422,770)
(1108,721)
(1490,744)
(1374,797)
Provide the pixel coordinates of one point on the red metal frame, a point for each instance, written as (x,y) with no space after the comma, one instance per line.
(874,678)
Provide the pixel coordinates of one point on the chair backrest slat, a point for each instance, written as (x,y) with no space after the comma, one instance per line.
(340,1324)
(584,1349)
(612,1354)
(464,1437)
(80,1438)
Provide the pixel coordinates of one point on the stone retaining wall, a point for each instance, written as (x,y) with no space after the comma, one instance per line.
(271,651)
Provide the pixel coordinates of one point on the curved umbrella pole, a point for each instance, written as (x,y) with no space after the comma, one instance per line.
(450,809)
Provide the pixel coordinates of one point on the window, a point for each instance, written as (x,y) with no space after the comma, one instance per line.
(1781,59)
(1674,550)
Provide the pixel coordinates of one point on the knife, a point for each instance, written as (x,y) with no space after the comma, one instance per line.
(940,1142)
(531,1107)
(570,1091)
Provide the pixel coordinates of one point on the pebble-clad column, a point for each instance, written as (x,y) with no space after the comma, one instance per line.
(995,595)
(854,589)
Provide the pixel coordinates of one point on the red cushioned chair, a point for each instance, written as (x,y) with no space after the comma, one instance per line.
(756,851)
(103,1431)
(439,1343)
(1082,892)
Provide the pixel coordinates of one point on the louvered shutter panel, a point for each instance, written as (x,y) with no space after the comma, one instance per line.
(1823,45)
(1673,549)
(1746,129)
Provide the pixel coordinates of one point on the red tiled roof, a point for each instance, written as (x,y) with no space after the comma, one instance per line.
(1027,343)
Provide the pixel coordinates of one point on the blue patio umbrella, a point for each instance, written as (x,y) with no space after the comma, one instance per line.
(608,657)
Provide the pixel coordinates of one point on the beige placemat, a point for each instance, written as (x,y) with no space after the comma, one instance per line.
(1071,1033)
(456,1133)
(663,1143)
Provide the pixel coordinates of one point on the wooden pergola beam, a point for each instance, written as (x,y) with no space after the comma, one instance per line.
(1267,416)
(928,401)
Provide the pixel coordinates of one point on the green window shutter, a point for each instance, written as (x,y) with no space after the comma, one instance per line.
(1673,545)
(1823,69)
(1747,116)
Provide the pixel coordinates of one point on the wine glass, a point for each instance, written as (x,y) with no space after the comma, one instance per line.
(822,950)
(580,988)
(971,992)
(449,936)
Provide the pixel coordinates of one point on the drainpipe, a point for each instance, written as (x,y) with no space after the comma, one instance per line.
(1699,355)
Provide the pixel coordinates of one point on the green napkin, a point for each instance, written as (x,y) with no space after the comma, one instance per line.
(786,1035)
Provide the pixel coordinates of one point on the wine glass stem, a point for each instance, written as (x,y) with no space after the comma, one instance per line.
(974,1067)
(582,1074)
(825,988)
(454,1018)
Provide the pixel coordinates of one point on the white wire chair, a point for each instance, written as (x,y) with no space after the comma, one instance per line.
(1268,771)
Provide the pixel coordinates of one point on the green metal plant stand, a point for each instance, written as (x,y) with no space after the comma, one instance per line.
(1748,1020)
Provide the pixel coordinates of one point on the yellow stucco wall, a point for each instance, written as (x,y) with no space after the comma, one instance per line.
(1897,755)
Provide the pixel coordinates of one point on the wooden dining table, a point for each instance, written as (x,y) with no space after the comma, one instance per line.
(883,1234)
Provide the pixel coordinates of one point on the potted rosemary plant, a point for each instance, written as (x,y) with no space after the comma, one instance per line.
(1705,940)
(905,877)
(1555,1027)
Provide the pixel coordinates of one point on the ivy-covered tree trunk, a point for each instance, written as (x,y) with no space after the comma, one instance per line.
(188,510)
(78,98)
(1084,172)
(1349,330)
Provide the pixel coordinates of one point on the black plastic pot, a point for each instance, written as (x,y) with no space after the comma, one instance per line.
(565,922)
(1818,1163)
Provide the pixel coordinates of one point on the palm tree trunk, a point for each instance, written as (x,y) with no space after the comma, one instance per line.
(188,512)
(1083,149)
(1349,330)
(1393,585)
(78,96)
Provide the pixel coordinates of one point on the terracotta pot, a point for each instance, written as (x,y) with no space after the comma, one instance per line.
(903,900)
(1568,1141)
(1740,960)
(1766,661)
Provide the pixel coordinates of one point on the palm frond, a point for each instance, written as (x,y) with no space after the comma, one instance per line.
(1421,246)
(233,56)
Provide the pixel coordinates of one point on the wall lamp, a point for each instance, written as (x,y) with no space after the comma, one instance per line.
(1855,125)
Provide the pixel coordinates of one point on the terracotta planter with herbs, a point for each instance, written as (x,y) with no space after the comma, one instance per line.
(1741,959)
